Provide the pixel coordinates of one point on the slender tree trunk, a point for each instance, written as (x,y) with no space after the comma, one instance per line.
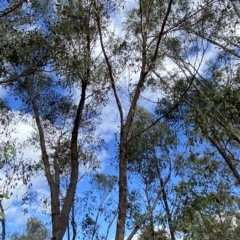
(169,215)
(73,223)
(3,222)
(68,232)
(227,158)
(122,205)
(149,212)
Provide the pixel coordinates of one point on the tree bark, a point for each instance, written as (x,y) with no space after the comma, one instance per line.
(3,222)
(149,212)
(227,159)
(169,215)
(60,216)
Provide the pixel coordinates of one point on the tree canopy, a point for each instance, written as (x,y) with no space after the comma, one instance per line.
(120,119)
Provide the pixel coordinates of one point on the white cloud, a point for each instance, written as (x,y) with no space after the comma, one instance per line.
(110,122)
(3,92)
(20,131)
(13,179)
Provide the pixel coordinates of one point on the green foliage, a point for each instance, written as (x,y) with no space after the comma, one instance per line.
(150,157)
(4,195)
(35,230)
(150,233)
(98,207)
(103,183)
(212,227)
(152,144)
(206,200)
(8,152)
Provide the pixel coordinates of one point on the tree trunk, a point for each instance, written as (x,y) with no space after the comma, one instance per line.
(168,212)
(122,205)
(3,222)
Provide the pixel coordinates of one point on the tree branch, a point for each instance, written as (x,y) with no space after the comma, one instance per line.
(10,9)
(226,158)
(109,66)
(161,33)
(146,215)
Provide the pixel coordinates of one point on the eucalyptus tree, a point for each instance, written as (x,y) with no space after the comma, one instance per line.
(7,159)
(217,120)
(150,164)
(63,129)
(209,112)
(222,33)
(153,35)
(20,35)
(207,192)
(34,229)
(213,227)
(8,153)
(208,201)
(148,233)
(199,203)
(202,187)
(209,106)
(99,207)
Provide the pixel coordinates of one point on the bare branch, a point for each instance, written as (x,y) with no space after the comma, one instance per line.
(146,215)
(109,66)
(12,8)
(161,33)
(226,157)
